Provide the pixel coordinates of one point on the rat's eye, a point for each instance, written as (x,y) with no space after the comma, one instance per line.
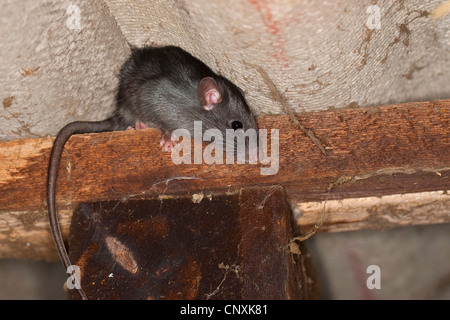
(236,125)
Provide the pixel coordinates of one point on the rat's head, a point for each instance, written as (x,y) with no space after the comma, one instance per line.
(224,106)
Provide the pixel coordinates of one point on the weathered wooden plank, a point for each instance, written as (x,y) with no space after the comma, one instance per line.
(374,212)
(374,151)
(235,246)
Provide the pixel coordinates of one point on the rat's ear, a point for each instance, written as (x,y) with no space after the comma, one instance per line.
(208,93)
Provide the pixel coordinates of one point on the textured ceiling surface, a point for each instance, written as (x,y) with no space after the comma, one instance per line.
(60,59)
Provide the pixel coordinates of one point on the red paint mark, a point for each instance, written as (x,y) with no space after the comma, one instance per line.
(272,25)
(360,275)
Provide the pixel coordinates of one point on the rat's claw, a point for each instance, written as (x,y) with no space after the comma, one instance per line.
(168,142)
(140,125)
(167,146)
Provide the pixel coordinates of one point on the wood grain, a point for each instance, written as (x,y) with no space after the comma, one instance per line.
(236,246)
(373,151)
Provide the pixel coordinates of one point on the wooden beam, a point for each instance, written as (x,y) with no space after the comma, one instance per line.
(232,246)
(371,152)
(373,212)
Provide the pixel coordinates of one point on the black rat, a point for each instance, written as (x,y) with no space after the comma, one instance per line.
(162,87)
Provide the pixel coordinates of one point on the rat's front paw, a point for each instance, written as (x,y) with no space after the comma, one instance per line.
(138,125)
(168,142)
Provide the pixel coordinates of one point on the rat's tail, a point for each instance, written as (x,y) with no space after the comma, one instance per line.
(58,146)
